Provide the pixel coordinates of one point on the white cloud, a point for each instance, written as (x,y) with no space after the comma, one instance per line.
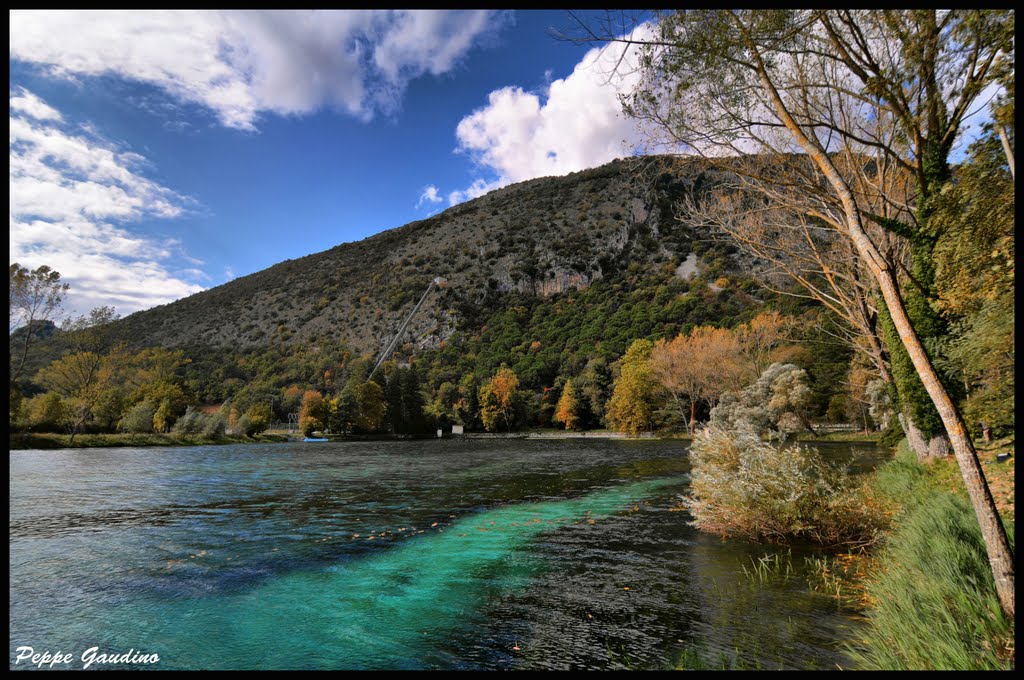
(430,195)
(478,188)
(32,106)
(240,64)
(70,196)
(576,124)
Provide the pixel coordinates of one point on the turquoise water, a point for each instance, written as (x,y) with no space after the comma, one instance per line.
(406,555)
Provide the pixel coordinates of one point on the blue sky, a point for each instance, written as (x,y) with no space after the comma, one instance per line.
(155,154)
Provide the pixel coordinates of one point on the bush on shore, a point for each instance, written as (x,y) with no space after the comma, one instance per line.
(742,487)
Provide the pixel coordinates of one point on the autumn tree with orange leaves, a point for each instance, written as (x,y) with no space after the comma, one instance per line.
(498,400)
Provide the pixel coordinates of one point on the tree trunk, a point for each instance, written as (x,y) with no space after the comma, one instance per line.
(996,543)
(1007,149)
(693,415)
(915,438)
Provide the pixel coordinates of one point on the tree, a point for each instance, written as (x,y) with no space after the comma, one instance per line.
(592,391)
(468,406)
(258,417)
(46,412)
(442,408)
(35,296)
(498,400)
(862,97)
(761,339)
(974,280)
(699,366)
(404,403)
(81,378)
(370,404)
(311,413)
(566,411)
(93,332)
(631,407)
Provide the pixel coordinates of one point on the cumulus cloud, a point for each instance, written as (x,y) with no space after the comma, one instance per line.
(241,64)
(71,195)
(576,123)
(430,195)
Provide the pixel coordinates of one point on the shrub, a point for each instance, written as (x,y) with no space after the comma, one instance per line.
(139,418)
(244,426)
(743,487)
(779,400)
(212,424)
(197,422)
(189,422)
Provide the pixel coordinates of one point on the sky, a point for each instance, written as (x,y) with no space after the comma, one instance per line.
(155,154)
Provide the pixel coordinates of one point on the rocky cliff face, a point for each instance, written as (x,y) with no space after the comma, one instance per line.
(540,237)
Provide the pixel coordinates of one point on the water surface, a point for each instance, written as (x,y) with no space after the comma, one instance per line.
(512,554)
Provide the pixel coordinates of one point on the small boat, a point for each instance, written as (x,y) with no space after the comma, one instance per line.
(315,439)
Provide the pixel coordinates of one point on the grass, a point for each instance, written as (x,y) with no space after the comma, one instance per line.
(63,441)
(769,567)
(694,659)
(934,605)
(842,577)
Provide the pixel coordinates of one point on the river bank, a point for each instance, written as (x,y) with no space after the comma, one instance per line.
(931,600)
(23,441)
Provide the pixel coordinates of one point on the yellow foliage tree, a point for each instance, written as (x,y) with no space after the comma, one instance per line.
(632,404)
(567,409)
(497,399)
(311,414)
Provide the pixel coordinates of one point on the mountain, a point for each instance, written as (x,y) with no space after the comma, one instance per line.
(540,237)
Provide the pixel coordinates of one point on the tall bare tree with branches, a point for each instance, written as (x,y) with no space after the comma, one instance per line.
(855,101)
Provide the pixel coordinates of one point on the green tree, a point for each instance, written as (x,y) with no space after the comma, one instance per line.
(35,296)
(370,404)
(164,417)
(404,403)
(468,406)
(139,418)
(81,378)
(442,408)
(974,279)
(45,412)
(592,387)
(633,401)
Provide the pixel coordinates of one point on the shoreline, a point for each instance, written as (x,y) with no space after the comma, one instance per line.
(52,441)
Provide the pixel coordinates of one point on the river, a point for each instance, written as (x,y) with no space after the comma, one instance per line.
(515,554)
